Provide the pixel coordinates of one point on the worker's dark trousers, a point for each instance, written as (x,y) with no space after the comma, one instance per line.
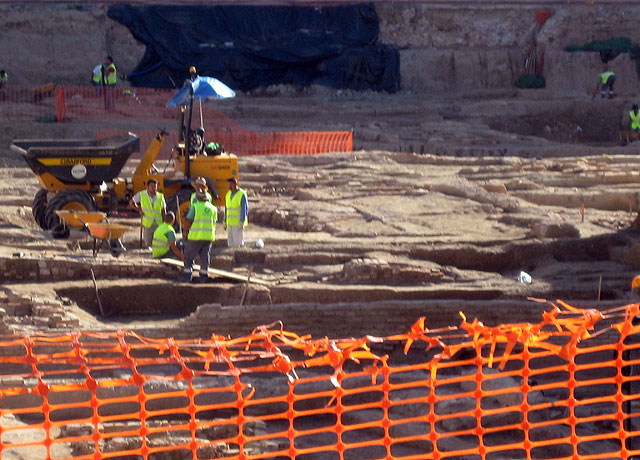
(200,249)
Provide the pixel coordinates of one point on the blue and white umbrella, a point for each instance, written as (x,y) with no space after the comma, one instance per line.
(204,88)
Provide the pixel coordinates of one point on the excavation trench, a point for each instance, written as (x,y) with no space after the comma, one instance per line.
(579,124)
(133,298)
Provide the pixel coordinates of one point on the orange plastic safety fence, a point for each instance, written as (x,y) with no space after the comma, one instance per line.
(565,388)
(256,143)
(86,103)
(286,143)
(28,103)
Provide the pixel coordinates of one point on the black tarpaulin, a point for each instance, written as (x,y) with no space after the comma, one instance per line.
(251,46)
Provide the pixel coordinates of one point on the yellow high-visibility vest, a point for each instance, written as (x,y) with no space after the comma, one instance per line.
(112,77)
(203,227)
(635,120)
(161,244)
(233,209)
(604,76)
(97,77)
(151,212)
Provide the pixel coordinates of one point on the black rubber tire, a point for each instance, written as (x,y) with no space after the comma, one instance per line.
(60,232)
(184,195)
(39,208)
(68,199)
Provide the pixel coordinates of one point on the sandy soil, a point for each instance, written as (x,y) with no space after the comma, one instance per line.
(460,221)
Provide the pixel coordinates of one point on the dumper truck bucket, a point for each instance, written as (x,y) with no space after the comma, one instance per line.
(77,161)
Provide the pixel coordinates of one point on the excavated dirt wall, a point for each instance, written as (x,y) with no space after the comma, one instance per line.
(443,48)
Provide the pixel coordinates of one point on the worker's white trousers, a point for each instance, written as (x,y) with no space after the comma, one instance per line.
(235,236)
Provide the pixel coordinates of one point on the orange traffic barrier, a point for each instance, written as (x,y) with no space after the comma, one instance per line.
(565,388)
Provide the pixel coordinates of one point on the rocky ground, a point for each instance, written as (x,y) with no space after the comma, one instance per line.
(443,200)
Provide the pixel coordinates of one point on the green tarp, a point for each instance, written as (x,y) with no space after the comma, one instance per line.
(610,49)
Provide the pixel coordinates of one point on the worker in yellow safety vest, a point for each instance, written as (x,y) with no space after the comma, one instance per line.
(164,239)
(110,74)
(151,206)
(4,77)
(634,118)
(236,214)
(200,228)
(109,80)
(605,84)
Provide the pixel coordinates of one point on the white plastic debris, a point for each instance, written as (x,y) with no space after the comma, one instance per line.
(259,244)
(524,277)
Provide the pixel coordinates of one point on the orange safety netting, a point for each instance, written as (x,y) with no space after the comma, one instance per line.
(29,103)
(566,388)
(254,143)
(60,103)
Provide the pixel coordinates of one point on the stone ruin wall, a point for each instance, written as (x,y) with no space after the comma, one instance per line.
(443,48)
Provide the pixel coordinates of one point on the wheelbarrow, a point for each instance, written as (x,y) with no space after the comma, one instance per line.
(106,233)
(78,219)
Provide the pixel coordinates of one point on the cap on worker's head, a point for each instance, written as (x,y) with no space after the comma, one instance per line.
(232,179)
(152,181)
(192,69)
(201,181)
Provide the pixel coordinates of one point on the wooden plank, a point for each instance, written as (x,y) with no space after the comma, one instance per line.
(218,272)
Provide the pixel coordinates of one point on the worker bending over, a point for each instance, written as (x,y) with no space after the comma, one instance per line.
(200,228)
(634,118)
(151,206)
(164,239)
(236,214)
(606,80)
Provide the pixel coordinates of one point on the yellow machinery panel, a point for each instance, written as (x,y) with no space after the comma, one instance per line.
(217,168)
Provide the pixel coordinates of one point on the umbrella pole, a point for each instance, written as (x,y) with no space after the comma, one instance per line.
(201,122)
(187,160)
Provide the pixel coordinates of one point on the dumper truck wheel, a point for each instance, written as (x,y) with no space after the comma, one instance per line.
(39,207)
(184,196)
(67,200)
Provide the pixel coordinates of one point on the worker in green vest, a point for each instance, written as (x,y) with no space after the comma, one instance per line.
(151,206)
(110,74)
(164,239)
(236,214)
(634,118)
(606,80)
(200,228)
(4,77)
(109,80)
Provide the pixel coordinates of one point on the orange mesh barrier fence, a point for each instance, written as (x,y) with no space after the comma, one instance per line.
(285,143)
(255,143)
(565,388)
(52,103)
(28,103)
(86,103)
